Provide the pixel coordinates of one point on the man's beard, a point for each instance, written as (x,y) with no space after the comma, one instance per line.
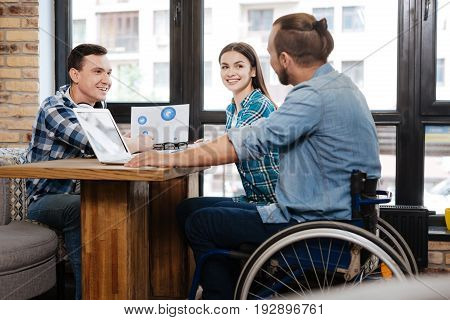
(283,76)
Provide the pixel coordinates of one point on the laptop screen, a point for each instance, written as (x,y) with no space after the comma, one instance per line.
(103,134)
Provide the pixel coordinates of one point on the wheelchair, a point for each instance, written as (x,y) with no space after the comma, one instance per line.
(322,254)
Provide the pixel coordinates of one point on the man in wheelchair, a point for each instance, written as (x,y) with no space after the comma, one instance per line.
(323,131)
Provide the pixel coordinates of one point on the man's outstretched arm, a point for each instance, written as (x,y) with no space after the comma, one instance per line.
(216,152)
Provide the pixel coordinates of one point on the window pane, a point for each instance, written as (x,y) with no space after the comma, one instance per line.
(78,31)
(118,31)
(387,137)
(355,70)
(260,20)
(160,74)
(207,71)
(437,168)
(353,19)
(327,13)
(443,51)
(363,37)
(136,34)
(220,181)
(161,22)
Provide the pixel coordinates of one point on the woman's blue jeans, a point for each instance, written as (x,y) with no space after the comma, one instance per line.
(62,212)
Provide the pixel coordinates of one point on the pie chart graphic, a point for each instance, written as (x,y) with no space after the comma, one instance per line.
(142,120)
(168,113)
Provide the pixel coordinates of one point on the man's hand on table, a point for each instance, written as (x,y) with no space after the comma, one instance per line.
(150,158)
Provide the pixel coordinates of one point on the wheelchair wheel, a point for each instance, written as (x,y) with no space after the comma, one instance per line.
(317,256)
(398,243)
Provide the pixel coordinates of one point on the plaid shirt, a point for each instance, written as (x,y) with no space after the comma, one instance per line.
(259,177)
(56,135)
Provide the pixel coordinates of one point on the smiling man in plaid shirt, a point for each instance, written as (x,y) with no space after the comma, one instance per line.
(58,135)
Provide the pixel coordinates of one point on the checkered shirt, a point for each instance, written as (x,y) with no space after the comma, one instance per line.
(56,135)
(259,177)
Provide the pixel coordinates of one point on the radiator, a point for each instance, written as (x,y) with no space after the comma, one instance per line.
(412,223)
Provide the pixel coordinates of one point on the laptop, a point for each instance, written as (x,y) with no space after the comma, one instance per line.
(103,135)
(166,124)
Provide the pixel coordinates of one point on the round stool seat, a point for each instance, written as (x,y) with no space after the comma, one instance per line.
(24,245)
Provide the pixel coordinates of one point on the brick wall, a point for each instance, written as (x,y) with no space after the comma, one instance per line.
(438,256)
(19,70)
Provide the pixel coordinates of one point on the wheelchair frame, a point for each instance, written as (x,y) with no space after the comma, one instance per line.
(366,254)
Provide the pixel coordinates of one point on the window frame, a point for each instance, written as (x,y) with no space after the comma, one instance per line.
(416,64)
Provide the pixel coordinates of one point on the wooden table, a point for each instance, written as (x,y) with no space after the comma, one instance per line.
(126,252)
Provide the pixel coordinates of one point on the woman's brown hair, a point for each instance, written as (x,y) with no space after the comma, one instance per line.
(247,51)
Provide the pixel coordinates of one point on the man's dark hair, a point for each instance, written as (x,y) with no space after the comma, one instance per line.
(304,38)
(78,53)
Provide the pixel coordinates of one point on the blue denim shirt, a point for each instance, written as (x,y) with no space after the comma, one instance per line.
(323,131)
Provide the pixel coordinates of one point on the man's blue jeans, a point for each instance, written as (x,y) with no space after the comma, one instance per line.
(62,212)
(212,223)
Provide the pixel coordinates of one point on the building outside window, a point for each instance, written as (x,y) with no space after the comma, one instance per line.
(355,70)
(78,31)
(260,19)
(161,22)
(207,25)
(119,31)
(207,73)
(353,19)
(128,78)
(119,26)
(160,74)
(327,13)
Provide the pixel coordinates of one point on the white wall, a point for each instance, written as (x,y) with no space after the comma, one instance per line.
(46,49)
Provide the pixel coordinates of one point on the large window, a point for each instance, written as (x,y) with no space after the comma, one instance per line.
(397,56)
(369,56)
(136,35)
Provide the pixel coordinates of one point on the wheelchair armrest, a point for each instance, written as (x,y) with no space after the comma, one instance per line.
(381,197)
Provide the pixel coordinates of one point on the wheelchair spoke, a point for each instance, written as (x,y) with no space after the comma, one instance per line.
(268,288)
(328,261)
(280,281)
(301,268)
(313,265)
(292,272)
(337,264)
(323,265)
